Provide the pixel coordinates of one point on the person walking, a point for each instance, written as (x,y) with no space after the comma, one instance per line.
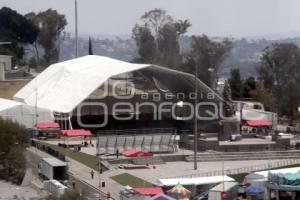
(117,153)
(92,174)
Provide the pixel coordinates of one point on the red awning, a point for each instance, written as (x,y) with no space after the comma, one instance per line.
(47,125)
(258,123)
(76,132)
(136,153)
(149,191)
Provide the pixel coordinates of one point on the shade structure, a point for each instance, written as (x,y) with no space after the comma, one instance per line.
(149,191)
(23,114)
(258,123)
(47,125)
(136,153)
(194,181)
(179,192)
(76,133)
(254,190)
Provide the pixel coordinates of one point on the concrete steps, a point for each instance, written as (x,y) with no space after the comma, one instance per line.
(234,156)
(155,160)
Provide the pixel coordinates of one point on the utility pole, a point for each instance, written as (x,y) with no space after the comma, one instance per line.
(195,120)
(76,30)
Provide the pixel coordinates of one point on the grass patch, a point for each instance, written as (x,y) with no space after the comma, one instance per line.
(133,181)
(86,159)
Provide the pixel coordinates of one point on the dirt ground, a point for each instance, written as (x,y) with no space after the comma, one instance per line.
(10,87)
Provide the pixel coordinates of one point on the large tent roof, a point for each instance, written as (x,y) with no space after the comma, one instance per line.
(63,86)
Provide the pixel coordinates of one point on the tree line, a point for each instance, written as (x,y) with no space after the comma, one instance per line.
(13,142)
(40,33)
(277,85)
(157,39)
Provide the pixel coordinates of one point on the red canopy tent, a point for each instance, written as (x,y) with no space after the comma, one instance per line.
(151,191)
(73,134)
(47,125)
(76,133)
(136,153)
(258,123)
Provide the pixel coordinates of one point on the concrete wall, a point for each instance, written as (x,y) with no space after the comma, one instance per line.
(6,61)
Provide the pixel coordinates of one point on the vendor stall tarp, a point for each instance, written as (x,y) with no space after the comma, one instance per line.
(151,191)
(136,153)
(76,133)
(258,123)
(47,125)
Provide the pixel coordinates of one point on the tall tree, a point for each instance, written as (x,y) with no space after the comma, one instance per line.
(13,141)
(228,105)
(51,25)
(236,84)
(248,85)
(207,55)
(16,29)
(145,42)
(90,47)
(280,73)
(157,38)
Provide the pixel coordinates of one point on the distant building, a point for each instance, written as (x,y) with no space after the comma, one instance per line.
(5,65)
(5,61)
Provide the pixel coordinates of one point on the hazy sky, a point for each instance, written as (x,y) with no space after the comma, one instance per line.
(234,18)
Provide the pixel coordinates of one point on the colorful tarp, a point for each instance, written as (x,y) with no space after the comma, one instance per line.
(179,192)
(47,125)
(136,153)
(151,191)
(76,133)
(258,123)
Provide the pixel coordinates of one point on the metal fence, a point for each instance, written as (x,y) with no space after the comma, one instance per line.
(261,167)
(153,140)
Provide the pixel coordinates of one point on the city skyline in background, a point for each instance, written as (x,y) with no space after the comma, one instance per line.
(231,18)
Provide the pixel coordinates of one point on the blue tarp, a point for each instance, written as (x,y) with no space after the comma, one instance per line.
(255,190)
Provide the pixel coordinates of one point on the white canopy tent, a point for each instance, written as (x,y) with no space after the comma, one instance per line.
(63,86)
(194,181)
(22,113)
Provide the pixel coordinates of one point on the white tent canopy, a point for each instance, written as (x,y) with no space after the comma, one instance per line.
(194,181)
(63,86)
(22,113)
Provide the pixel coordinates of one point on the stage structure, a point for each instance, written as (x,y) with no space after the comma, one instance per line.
(66,87)
(152,140)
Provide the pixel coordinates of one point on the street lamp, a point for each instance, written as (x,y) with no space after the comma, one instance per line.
(195,120)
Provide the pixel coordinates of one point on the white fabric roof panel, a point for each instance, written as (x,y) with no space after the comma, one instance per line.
(7,104)
(22,113)
(224,186)
(278,171)
(62,86)
(194,181)
(55,162)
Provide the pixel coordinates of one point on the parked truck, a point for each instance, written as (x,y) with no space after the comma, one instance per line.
(52,168)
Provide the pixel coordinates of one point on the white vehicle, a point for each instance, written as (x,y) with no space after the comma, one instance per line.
(254,111)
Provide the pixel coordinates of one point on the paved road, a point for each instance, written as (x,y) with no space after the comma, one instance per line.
(34,157)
